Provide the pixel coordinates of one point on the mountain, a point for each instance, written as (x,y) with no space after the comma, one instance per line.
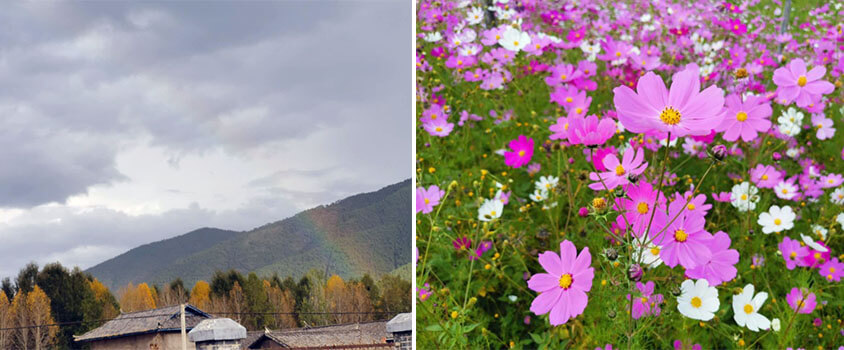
(364,233)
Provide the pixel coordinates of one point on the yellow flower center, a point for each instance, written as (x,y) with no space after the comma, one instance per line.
(764,177)
(644,300)
(744,197)
(696,302)
(832,270)
(515,43)
(521,153)
(617,54)
(817,255)
(655,250)
(439,129)
(670,116)
(433,116)
(492,213)
(427,201)
(578,110)
(777,222)
(565,281)
(741,116)
(680,235)
(459,62)
(563,77)
(801,81)
(619,170)
(642,207)
(691,206)
(784,191)
(748,309)
(569,100)
(793,255)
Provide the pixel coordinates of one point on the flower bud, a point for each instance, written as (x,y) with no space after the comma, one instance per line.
(718,152)
(611,254)
(635,272)
(611,314)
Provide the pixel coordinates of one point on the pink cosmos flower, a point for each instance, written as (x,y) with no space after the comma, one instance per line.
(589,131)
(832,270)
(462,243)
(696,204)
(598,156)
(801,300)
(796,84)
(560,130)
(639,203)
(562,290)
(792,252)
(823,126)
(831,180)
(562,74)
(684,241)
(765,176)
(648,303)
(682,110)
(617,172)
(721,267)
(521,154)
(745,119)
(426,200)
(439,127)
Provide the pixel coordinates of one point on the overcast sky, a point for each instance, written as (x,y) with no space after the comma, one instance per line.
(124,123)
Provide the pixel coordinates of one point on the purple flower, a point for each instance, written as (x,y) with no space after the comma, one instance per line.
(426,200)
(682,110)
(721,266)
(745,119)
(801,300)
(617,172)
(793,252)
(648,303)
(589,131)
(796,84)
(562,290)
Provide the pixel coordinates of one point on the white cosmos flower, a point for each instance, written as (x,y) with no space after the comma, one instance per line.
(792,152)
(547,183)
(513,39)
(746,309)
(649,253)
(840,219)
(475,15)
(812,244)
(775,324)
(777,219)
(790,129)
(433,37)
(785,190)
(744,196)
(837,196)
(490,210)
(820,231)
(698,300)
(539,195)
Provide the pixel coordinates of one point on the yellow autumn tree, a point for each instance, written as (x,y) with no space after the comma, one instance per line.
(137,298)
(102,295)
(20,319)
(335,292)
(200,295)
(5,322)
(282,302)
(39,314)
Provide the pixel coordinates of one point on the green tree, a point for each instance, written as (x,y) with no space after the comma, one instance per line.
(71,299)
(256,299)
(26,277)
(8,288)
(396,294)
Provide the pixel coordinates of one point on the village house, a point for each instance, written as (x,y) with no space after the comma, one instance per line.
(157,329)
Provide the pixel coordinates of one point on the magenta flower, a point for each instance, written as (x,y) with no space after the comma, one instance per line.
(480,250)
(801,300)
(682,110)
(598,156)
(521,154)
(562,290)
(589,131)
(796,84)
(426,200)
(648,303)
(745,119)
(721,267)
(832,270)
(617,172)
(815,258)
(462,243)
(639,203)
(792,252)
(684,241)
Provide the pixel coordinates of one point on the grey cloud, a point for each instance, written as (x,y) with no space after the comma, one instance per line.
(245,76)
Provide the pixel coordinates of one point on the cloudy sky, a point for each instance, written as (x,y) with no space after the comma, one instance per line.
(127,123)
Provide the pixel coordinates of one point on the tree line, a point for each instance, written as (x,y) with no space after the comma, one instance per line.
(74,302)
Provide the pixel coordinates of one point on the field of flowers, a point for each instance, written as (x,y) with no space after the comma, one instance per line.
(629,174)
